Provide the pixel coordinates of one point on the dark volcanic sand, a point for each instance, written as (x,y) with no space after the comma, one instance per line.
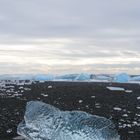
(91,97)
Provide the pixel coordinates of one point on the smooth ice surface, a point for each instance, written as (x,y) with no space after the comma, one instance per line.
(45,122)
(122,78)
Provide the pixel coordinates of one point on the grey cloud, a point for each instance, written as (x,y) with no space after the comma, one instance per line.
(96,30)
(68,18)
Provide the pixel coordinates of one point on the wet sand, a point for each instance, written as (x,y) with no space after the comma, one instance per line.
(122,107)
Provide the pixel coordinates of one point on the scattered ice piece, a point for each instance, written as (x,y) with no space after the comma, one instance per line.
(9,131)
(97,103)
(87,106)
(125,115)
(131,132)
(50,86)
(117,108)
(128,91)
(43,121)
(138,115)
(138,98)
(21,87)
(126,125)
(135,123)
(45,95)
(116,88)
(138,107)
(129,112)
(27,89)
(122,120)
(92,96)
(80,101)
(97,106)
(124,110)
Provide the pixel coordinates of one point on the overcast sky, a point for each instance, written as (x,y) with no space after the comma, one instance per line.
(69,36)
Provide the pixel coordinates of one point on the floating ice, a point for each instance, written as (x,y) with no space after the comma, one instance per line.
(45,122)
(122,78)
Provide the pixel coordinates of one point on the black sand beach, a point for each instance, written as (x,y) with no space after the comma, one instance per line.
(122,107)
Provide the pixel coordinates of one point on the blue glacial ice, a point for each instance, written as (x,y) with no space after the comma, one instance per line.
(122,78)
(83,77)
(45,122)
(44,77)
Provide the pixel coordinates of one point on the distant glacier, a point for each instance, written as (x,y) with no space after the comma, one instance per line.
(119,78)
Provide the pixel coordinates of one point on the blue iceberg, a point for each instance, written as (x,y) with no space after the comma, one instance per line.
(45,122)
(122,78)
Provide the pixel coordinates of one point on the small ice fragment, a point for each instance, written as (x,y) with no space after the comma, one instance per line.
(138,107)
(138,98)
(131,132)
(117,108)
(9,131)
(125,115)
(128,91)
(92,96)
(80,101)
(50,86)
(45,95)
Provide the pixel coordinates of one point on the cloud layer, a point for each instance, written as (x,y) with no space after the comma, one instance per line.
(51,36)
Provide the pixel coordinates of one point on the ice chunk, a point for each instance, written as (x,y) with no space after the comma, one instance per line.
(45,122)
(122,78)
(116,88)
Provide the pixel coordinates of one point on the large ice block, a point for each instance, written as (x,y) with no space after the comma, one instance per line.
(45,122)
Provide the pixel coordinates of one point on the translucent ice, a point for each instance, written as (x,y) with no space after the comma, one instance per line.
(45,122)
